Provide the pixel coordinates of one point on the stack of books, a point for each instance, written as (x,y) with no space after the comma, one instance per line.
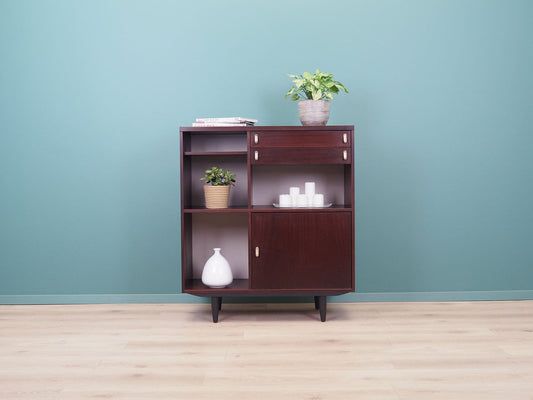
(224,121)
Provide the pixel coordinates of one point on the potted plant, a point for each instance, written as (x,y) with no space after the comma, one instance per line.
(316,90)
(217,186)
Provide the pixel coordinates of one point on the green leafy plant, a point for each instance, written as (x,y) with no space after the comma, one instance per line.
(218,177)
(319,86)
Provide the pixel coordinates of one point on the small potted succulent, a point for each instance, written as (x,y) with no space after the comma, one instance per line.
(217,186)
(316,90)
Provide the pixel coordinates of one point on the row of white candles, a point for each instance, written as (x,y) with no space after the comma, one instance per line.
(297,199)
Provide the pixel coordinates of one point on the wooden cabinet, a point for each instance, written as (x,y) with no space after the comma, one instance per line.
(272,251)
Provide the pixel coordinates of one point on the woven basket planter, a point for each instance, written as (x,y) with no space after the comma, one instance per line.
(216,196)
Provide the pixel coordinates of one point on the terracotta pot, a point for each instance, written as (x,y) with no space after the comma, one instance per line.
(216,196)
(314,112)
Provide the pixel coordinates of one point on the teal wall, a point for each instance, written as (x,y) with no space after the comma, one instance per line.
(92,94)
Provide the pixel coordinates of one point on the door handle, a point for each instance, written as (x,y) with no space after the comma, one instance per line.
(257,251)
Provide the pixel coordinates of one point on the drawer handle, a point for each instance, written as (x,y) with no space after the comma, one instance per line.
(256,155)
(344,138)
(345,155)
(256,138)
(257,251)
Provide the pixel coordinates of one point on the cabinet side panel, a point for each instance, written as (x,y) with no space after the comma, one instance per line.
(186,249)
(348,186)
(185,182)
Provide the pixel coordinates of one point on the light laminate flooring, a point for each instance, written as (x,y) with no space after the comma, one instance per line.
(401,351)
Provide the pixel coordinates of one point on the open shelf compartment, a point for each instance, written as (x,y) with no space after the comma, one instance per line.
(272,180)
(206,231)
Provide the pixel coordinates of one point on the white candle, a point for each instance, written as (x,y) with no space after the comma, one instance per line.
(285,200)
(318,200)
(294,193)
(310,188)
(302,200)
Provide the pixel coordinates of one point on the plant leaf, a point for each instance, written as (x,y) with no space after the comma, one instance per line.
(299,82)
(291,91)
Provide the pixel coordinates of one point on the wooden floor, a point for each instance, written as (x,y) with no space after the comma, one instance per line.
(455,350)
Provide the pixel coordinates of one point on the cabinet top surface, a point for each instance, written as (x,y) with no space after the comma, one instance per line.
(267,128)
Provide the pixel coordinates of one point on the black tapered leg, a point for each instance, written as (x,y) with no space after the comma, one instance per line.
(216,305)
(322,305)
(316,303)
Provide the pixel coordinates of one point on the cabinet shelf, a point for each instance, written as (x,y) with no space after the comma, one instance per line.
(195,286)
(270,208)
(262,208)
(202,209)
(241,287)
(215,153)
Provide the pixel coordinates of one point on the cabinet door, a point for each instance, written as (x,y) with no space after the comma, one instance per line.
(301,250)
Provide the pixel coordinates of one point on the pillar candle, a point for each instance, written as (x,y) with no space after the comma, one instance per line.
(302,200)
(318,200)
(285,200)
(310,188)
(294,192)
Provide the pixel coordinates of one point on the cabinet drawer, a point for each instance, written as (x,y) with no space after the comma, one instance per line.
(301,139)
(292,156)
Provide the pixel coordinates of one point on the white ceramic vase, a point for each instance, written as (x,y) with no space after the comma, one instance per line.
(217,271)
